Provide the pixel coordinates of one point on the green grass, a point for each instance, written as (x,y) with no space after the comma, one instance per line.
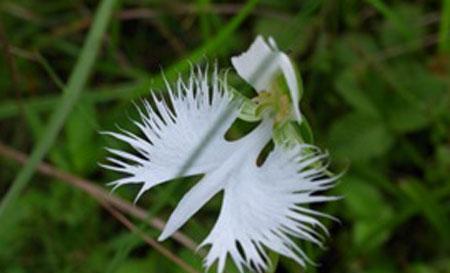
(376,95)
(444,30)
(75,85)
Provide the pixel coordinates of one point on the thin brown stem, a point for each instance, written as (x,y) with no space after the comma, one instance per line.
(97,193)
(154,244)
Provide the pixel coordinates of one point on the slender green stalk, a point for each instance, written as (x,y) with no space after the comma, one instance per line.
(444,29)
(75,85)
(204,22)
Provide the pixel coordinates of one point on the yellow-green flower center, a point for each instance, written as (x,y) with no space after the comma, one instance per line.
(276,102)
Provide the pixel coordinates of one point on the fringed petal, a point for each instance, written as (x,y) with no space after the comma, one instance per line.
(248,149)
(179,136)
(263,209)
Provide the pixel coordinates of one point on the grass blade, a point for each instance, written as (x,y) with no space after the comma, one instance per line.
(430,206)
(444,29)
(389,14)
(76,83)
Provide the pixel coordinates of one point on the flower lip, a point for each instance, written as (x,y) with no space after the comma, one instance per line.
(261,63)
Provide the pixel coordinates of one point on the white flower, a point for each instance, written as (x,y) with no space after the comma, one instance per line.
(264,207)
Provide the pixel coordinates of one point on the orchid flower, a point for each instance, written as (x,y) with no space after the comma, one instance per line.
(264,206)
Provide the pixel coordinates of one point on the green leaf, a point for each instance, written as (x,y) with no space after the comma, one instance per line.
(363,200)
(429,205)
(402,114)
(358,136)
(348,87)
(403,117)
(367,207)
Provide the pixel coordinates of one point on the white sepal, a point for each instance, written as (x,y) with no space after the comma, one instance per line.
(261,63)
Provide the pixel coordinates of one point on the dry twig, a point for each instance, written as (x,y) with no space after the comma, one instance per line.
(97,192)
(154,244)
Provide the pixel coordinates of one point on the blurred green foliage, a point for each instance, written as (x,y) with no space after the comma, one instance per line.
(376,76)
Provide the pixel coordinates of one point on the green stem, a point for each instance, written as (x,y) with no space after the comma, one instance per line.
(444,29)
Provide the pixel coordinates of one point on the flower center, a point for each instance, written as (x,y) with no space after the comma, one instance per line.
(274,102)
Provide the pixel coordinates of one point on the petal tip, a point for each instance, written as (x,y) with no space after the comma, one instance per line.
(168,230)
(163,236)
(251,64)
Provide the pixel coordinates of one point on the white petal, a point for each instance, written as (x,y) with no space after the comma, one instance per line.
(201,193)
(261,63)
(260,212)
(257,65)
(248,149)
(178,137)
(291,80)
